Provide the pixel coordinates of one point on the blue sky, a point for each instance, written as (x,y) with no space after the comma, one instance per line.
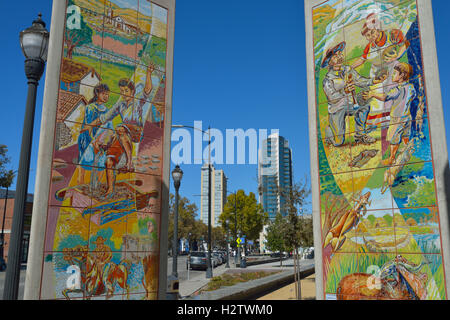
(237,64)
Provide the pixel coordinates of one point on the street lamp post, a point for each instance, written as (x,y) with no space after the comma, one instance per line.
(228,245)
(34,43)
(177,175)
(209,271)
(237,257)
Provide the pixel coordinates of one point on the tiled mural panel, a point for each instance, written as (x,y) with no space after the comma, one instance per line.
(379,216)
(103,226)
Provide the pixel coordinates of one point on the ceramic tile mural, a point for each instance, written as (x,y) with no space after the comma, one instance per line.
(104,206)
(379,216)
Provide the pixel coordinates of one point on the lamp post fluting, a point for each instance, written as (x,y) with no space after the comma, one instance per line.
(177,175)
(34,43)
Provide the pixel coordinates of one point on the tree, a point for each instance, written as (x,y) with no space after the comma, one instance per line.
(186,219)
(6,176)
(246,212)
(295,198)
(6,179)
(218,237)
(200,232)
(77,32)
(275,240)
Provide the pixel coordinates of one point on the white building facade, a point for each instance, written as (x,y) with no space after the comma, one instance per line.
(218,192)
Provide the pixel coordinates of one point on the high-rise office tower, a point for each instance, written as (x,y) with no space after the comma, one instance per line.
(274,172)
(218,192)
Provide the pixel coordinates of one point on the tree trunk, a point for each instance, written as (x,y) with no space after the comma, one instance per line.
(299,294)
(70,51)
(295,278)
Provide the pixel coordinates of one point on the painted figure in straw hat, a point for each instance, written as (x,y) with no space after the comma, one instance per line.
(383,50)
(102,254)
(339,87)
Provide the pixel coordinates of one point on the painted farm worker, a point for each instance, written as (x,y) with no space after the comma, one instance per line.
(89,129)
(401,97)
(380,59)
(102,254)
(339,87)
(130,109)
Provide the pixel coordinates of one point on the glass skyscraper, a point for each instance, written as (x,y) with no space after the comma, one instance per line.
(274,172)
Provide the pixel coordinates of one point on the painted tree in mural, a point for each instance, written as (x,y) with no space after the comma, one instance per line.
(77,31)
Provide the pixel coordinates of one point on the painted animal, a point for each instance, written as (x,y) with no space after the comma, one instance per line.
(398,279)
(90,284)
(96,280)
(116,274)
(363,158)
(336,236)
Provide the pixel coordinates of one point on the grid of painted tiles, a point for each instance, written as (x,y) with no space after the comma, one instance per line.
(103,225)
(379,215)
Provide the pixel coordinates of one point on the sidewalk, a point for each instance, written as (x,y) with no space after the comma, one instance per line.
(190,287)
(308,291)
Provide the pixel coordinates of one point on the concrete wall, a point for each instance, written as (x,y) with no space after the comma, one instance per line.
(77,220)
(405,232)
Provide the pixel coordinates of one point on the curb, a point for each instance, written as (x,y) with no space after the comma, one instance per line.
(254,289)
(254,263)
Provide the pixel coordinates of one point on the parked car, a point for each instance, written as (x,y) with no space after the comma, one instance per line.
(214,260)
(197,260)
(277,255)
(224,256)
(218,257)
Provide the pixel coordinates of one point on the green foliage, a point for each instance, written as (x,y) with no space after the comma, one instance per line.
(6,176)
(298,230)
(243,212)
(388,218)
(154,51)
(424,195)
(188,227)
(227,280)
(275,240)
(77,37)
(371,219)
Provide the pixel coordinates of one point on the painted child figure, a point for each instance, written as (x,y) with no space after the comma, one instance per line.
(130,109)
(401,96)
(87,140)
